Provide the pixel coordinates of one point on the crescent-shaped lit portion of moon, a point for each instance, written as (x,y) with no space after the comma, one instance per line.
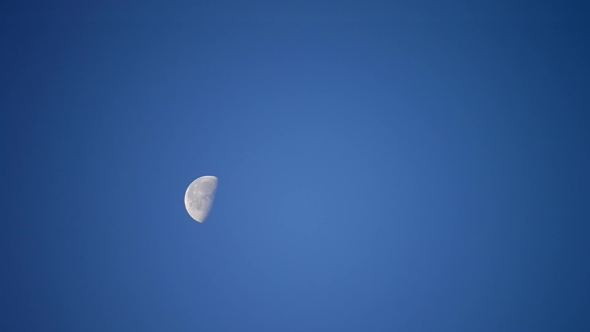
(199,196)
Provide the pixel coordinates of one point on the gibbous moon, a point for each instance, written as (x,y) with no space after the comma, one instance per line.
(199,197)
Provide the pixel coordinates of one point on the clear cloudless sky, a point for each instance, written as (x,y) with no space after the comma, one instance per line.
(382,167)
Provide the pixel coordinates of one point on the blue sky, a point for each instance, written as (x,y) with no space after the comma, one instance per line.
(380,168)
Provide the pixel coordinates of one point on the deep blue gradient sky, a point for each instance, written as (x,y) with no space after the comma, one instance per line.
(377,172)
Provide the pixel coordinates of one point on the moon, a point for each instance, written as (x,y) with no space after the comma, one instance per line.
(199,196)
